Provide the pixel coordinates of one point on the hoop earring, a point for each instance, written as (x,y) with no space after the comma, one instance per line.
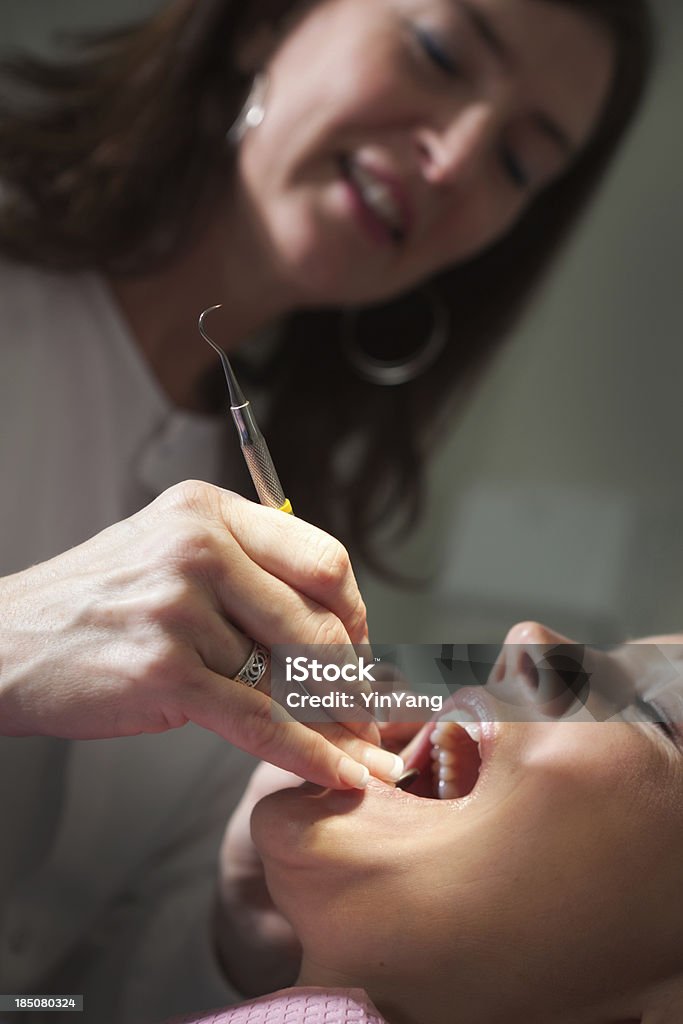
(252,113)
(390,372)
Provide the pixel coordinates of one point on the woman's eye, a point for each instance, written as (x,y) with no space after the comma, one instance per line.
(436,51)
(515,169)
(652,713)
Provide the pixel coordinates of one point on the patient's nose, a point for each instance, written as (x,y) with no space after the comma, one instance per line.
(540,669)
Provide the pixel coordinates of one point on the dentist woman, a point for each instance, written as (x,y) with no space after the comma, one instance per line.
(298,163)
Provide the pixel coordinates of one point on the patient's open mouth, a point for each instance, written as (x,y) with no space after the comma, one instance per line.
(449,761)
(456,759)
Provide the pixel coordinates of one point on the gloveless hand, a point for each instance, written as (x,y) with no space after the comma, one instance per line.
(142,628)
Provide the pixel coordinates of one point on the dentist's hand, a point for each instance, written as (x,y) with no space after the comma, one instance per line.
(143,627)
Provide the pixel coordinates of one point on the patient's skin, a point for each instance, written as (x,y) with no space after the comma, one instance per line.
(550,895)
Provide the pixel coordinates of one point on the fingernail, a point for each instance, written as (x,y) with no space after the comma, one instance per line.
(383,764)
(353,774)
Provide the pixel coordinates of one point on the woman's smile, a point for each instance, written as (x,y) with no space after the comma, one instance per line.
(378,200)
(437,155)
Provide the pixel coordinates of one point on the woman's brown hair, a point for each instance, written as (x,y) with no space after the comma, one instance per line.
(102,161)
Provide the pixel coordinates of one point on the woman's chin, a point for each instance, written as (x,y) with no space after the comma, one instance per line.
(315,828)
(285,822)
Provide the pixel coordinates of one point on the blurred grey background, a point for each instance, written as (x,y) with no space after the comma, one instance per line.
(559,496)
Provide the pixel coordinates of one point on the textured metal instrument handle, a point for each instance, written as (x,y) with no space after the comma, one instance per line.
(266,481)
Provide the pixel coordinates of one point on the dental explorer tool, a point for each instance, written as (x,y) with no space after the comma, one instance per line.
(408,778)
(252,442)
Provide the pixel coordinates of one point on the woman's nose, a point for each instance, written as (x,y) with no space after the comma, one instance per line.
(454,151)
(540,669)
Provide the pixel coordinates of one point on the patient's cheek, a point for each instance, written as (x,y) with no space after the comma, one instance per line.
(601,787)
(590,754)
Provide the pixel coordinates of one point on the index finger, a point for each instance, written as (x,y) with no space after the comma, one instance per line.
(261,727)
(302,556)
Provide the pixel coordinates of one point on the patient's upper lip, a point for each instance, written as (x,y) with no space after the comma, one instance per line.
(473,701)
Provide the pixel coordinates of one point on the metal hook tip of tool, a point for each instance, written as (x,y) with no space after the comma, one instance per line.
(408,778)
(237,399)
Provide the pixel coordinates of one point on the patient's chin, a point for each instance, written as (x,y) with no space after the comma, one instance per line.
(284,825)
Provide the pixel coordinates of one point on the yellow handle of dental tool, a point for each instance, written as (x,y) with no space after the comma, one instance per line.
(287,507)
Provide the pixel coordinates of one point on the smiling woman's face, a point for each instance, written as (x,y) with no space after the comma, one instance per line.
(402,136)
(552,892)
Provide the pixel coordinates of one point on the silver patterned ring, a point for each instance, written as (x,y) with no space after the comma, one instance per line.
(255,667)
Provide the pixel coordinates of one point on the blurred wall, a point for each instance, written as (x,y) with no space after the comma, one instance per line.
(37,23)
(559,496)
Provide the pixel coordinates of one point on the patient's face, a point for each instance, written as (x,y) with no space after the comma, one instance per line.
(554,886)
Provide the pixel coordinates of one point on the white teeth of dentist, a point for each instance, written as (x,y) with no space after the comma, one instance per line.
(377,196)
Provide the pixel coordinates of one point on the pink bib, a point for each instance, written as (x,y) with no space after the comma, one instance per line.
(297,1006)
